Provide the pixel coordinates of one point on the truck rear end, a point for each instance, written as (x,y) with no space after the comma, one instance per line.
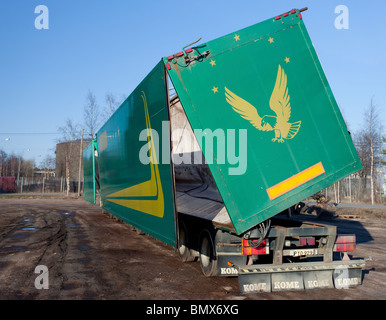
(252,129)
(290,255)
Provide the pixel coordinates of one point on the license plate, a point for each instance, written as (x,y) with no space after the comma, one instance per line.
(303,252)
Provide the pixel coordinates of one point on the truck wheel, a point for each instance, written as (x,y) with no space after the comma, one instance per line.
(184,252)
(208,260)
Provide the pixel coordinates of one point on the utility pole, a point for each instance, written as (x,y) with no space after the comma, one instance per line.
(18,171)
(80,161)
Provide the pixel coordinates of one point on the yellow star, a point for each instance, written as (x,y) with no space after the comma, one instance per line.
(236,37)
(270,40)
(215,89)
(212,62)
(287,59)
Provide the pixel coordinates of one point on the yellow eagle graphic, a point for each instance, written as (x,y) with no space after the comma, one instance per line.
(279,103)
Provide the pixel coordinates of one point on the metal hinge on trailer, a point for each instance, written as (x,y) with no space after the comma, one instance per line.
(188,55)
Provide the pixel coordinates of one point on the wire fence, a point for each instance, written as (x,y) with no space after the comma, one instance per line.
(355,190)
(349,190)
(46,185)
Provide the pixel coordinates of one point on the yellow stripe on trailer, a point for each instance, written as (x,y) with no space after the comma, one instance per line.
(295,181)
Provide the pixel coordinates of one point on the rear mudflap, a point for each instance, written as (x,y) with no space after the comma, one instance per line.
(300,276)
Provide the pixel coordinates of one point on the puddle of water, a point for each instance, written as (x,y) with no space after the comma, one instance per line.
(13,249)
(28,220)
(84,260)
(28,229)
(69,286)
(73,224)
(19,236)
(84,248)
(67,214)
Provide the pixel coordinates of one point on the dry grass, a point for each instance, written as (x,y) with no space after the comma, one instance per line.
(344,212)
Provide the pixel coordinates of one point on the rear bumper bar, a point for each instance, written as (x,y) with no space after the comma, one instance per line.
(300,276)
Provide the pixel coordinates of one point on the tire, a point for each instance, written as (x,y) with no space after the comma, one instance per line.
(208,259)
(184,251)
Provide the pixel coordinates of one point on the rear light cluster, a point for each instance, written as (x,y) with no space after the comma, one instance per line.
(285,14)
(179,54)
(345,243)
(303,241)
(300,242)
(252,248)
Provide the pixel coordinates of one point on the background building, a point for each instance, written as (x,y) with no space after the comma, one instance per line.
(69,151)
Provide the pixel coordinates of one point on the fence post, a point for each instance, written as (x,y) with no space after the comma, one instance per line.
(80,161)
(349,186)
(21,187)
(43,183)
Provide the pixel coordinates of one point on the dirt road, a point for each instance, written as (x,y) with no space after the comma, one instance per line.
(89,255)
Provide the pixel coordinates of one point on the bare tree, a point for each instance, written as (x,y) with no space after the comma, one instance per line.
(373,128)
(91,114)
(362,147)
(383,153)
(368,146)
(27,168)
(3,163)
(48,162)
(69,133)
(112,104)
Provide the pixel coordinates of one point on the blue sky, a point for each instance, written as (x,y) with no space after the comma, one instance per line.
(110,46)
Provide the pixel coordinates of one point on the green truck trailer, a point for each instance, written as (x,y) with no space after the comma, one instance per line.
(213,169)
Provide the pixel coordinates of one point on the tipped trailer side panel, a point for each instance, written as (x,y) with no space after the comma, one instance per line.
(263,101)
(89,172)
(135,179)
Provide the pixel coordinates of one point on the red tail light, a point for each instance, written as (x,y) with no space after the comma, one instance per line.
(250,248)
(345,243)
(303,241)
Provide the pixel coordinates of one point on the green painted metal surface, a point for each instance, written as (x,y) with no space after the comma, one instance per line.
(265,80)
(136,191)
(89,173)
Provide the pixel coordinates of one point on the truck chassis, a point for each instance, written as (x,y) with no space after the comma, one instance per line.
(289,254)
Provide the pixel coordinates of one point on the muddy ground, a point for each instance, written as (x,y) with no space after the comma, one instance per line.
(91,256)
